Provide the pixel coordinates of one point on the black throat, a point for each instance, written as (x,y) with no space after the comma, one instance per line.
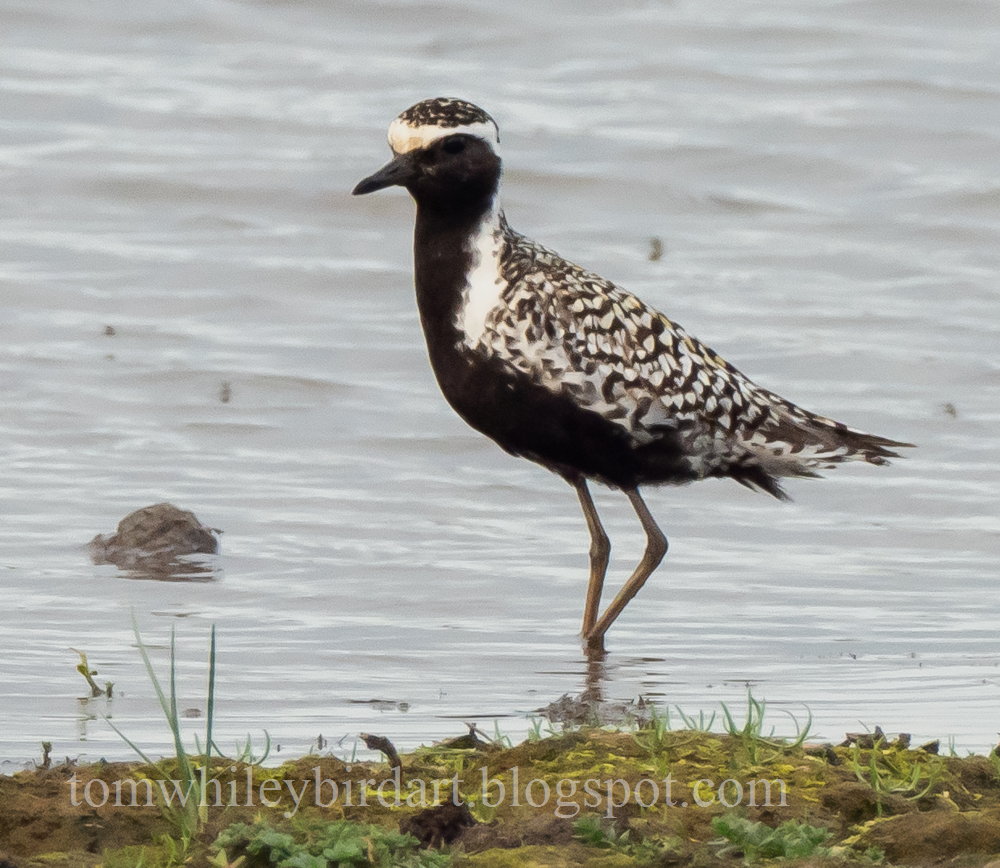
(443,255)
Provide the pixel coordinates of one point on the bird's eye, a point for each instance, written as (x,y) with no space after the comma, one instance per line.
(453,146)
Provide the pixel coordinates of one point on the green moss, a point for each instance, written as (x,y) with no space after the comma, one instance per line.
(148,856)
(536,856)
(548,785)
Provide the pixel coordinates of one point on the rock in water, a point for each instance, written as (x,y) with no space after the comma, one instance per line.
(151,541)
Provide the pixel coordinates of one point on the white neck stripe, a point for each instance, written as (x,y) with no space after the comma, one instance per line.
(484,288)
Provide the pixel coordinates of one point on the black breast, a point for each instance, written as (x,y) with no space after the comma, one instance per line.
(529,420)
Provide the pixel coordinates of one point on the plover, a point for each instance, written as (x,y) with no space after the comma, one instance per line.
(560,366)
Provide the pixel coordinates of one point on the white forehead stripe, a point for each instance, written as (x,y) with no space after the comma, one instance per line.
(404,138)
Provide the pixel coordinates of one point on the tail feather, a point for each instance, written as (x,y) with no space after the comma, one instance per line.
(795,442)
(845,443)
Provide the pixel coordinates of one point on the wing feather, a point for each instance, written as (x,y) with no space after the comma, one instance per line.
(588,339)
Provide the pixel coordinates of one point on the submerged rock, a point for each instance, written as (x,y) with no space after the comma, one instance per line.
(151,542)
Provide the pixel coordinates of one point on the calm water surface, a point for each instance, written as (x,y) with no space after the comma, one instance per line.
(823,178)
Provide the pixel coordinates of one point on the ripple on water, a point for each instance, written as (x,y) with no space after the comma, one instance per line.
(822,179)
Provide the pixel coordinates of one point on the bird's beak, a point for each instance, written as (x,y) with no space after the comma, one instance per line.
(399,171)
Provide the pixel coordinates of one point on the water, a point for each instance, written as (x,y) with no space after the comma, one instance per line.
(823,178)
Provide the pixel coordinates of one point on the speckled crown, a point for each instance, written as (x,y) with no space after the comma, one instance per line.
(431,119)
(445,111)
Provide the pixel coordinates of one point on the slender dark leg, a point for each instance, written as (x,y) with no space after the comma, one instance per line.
(656,548)
(600,554)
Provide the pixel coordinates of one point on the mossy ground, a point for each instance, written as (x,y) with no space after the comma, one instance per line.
(590,797)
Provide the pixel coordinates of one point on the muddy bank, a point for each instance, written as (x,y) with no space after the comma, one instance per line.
(588,797)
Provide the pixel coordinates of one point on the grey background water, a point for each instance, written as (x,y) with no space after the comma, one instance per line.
(823,175)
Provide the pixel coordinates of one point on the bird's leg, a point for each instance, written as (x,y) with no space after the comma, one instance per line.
(600,554)
(656,548)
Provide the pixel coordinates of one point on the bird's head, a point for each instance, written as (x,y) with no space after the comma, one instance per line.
(444,153)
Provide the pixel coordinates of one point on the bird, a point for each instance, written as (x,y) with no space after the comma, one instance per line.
(560,366)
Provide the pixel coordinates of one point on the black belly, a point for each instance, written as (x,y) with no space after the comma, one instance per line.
(527,419)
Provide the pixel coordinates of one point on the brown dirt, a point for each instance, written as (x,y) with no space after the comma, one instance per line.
(924,811)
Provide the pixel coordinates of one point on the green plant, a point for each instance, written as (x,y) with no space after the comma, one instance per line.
(790,840)
(701,723)
(595,832)
(894,771)
(652,731)
(186,808)
(756,747)
(500,739)
(342,843)
(599,833)
(535,730)
(751,734)
(190,813)
(83,667)
(994,757)
(245,751)
(873,855)
(653,736)
(542,728)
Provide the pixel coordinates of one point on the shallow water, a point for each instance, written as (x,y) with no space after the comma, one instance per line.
(823,179)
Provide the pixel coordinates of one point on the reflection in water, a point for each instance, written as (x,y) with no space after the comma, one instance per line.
(171,570)
(593,690)
(591,706)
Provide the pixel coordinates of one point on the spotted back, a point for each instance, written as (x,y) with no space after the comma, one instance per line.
(586,338)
